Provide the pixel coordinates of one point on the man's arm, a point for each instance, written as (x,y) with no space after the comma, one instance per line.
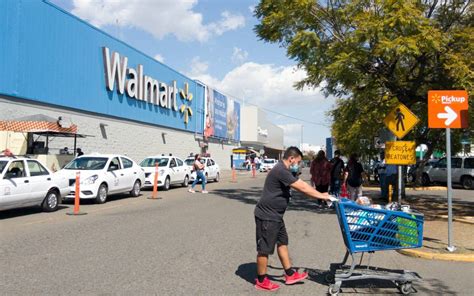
(306,189)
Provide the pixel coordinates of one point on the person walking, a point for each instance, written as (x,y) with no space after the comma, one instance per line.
(391,179)
(320,171)
(381,170)
(354,176)
(269,211)
(79,152)
(337,170)
(198,167)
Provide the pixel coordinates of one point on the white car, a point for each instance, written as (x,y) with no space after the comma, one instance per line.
(101,175)
(212,170)
(171,170)
(26,182)
(268,164)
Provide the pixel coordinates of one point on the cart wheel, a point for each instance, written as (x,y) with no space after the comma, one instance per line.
(334,289)
(329,278)
(406,288)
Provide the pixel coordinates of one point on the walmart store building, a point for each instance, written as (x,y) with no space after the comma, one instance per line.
(122,101)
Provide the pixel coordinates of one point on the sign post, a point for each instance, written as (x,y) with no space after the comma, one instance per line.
(400,121)
(448,109)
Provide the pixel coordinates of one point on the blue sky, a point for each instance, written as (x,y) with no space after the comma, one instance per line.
(214,41)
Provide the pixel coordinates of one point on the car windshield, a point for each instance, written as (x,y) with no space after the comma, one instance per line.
(3,164)
(87,163)
(151,162)
(269,161)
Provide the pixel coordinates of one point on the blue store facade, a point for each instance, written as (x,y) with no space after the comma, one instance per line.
(55,64)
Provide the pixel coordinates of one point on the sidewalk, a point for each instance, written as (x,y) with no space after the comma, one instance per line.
(435,236)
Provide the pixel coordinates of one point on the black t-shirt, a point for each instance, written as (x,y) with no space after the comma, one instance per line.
(276,194)
(355,174)
(337,167)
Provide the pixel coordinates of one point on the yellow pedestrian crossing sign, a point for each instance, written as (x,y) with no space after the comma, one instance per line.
(400,121)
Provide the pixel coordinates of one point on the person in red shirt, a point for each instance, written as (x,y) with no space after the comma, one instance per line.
(321,173)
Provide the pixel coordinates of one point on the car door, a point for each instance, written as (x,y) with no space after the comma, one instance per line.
(174,170)
(16,187)
(113,176)
(438,172)
(182,169)
(210,169)
(456,169)
(129,173)
(40,180)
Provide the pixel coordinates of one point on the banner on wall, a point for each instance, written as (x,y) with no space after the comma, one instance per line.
(222,118)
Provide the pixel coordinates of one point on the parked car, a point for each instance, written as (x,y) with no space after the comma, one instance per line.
(171,170)
(103,175)
(268,164)
(412,171)
(462,171)
(27,182)
(212,170)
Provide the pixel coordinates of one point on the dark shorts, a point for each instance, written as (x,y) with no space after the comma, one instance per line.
(269,234)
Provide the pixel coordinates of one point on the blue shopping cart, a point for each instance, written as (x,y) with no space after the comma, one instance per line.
(366,229)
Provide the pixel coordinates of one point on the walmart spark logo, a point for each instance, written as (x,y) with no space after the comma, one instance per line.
(185,108)
(436,98)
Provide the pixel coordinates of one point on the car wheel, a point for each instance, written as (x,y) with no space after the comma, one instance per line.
(467,182)
(186,181)
(101,194)
(425,179)
(167,184)
(218,177)
(136,188)
(51,201)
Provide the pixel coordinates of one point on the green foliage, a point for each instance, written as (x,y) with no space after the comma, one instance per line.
(375,53)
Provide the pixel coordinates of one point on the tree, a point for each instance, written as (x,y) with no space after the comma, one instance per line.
(372,54)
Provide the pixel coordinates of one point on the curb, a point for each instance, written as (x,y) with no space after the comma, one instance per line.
(466,219)
(435,256)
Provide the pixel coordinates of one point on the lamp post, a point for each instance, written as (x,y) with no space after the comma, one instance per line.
(301,140)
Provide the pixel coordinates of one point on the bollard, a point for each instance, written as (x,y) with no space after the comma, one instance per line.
(390,192)
(155,184)
(76,211)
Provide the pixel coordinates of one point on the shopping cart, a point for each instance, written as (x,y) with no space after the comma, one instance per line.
(366,229)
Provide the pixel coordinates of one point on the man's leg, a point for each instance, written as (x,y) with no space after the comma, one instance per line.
(284,256)
(262,263)
(266,235)
(291,276)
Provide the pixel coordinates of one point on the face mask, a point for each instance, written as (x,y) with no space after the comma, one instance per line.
(294,168)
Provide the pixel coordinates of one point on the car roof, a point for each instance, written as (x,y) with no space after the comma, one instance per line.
(102,155)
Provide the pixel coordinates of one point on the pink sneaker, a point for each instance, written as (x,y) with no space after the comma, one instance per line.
(266,285)
(295,278)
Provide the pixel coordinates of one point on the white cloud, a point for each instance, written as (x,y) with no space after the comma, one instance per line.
(159,58)
(160,18)
(239,55)
(268,85)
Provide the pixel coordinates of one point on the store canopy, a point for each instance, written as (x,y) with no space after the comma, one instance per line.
(39,123)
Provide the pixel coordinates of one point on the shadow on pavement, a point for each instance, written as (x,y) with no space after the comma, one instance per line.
(251,195)
(13,213)
(247,272)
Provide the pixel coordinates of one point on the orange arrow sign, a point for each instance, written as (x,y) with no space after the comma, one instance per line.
(447,108)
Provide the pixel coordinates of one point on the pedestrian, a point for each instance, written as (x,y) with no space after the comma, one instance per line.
(8,153)
(257,162)
(248,163)
(198,167)
(320,171)
(391,179)
(354,176)
(269,211)
(381,171)
(79,152)
(337,173)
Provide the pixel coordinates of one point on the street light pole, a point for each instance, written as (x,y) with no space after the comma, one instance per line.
(301,140)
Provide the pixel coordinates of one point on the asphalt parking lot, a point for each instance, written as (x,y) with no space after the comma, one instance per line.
(186,244)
